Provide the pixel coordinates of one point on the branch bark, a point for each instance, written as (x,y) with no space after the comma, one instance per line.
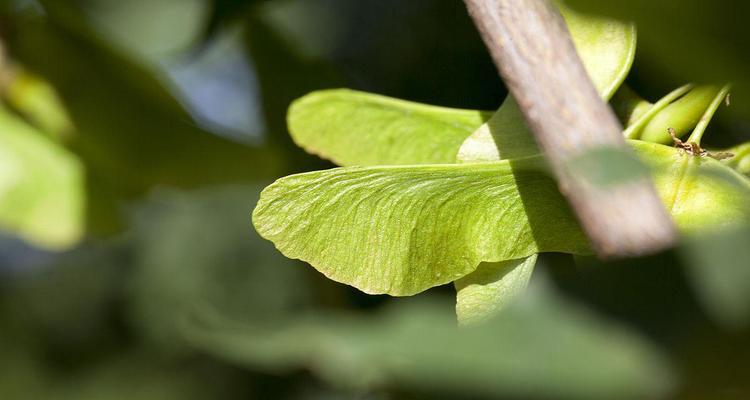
(531,46)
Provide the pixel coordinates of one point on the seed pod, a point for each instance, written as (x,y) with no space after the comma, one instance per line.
(740,161)
(682,115)
(629,106)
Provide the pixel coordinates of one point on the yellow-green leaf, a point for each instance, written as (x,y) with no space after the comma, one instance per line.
(41,186)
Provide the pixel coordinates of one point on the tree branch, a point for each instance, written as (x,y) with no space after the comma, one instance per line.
(533,50)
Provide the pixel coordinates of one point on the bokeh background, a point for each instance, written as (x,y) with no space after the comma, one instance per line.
(173,113)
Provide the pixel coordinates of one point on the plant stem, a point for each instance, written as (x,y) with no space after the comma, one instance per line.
(634,131)
(533,50)
(697,134)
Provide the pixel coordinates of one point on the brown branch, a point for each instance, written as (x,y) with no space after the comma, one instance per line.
(531,46)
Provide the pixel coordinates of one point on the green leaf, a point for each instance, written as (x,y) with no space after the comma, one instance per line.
(142,134)
(418,346)
(717,265)
(38,101)
(130,132)
(233,268)
(41,186)
(491,288)
(403,229)
(352,128)
(68,300)
(740,161)
(152,41)
(356,128)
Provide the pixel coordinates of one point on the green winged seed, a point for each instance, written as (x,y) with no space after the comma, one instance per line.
(606,47)
(491,288)
(354,128)
(403,229)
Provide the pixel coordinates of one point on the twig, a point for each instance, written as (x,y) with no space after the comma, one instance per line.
(531,46)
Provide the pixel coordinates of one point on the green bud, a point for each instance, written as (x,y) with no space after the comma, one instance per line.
(682,115)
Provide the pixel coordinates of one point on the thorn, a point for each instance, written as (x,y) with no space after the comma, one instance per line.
(728,99)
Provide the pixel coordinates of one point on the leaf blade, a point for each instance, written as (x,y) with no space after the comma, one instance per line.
(41,186)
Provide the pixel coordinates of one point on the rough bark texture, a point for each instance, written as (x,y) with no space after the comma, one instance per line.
(533,50)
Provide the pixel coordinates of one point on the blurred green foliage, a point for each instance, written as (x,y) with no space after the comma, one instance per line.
(41,185)
(172,295)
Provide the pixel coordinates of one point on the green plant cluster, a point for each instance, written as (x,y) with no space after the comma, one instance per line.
(137,274)
(429,195)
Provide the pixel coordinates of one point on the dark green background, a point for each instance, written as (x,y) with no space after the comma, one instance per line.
(171,245)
